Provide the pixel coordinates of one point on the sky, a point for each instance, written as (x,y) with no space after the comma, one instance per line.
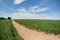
(30,9)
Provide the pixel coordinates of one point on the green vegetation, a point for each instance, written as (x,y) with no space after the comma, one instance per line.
(48,26)
(2,18)
(9,18)
(7,31)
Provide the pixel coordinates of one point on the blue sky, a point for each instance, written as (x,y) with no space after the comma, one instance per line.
(30,9)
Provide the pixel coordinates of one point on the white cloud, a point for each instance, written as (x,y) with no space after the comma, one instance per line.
(23,15)
(34,9)
(44,9)
(38,9)
(35,6)
(22,10)
(27,14)
(18,1)
(31,13)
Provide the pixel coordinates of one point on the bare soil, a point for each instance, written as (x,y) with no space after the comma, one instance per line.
(28,34)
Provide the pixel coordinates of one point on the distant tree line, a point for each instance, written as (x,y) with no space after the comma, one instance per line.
(2,18)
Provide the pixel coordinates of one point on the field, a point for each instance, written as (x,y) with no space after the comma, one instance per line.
(7,31)
(47,26)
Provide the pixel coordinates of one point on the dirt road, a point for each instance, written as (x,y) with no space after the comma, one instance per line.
(28,34)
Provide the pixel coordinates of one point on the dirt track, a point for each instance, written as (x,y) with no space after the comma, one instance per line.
(28,34)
